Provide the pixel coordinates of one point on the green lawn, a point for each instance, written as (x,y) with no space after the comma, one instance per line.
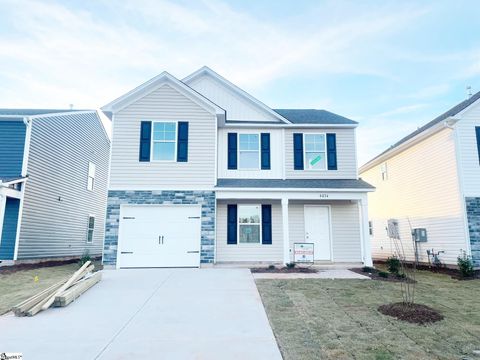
(338,319)
(18,286)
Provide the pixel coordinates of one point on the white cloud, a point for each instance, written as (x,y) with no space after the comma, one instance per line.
(56,55)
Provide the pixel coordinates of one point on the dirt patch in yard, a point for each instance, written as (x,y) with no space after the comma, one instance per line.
(412,313)
(284,270)
(5,270)
(376,274)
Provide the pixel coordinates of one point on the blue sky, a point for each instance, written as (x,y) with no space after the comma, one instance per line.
(391,65)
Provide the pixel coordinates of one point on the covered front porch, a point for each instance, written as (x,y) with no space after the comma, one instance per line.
(258,225)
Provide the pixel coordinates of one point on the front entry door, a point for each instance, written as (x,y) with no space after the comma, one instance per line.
(317,230)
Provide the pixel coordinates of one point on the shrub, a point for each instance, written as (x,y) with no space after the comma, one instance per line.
(85,257)
(383,274)
(465,264)
(271,267)
(290,265)
(393,265)
(367,269)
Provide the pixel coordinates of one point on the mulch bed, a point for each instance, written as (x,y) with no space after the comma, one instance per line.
(373,274)
(10,269)
(284,270)
(453,273)
(412,313)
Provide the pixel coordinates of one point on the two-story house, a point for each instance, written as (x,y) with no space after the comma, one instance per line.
(202,172)
(430,180)
(53,184)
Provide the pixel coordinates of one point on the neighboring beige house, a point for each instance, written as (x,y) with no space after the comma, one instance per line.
(430,179)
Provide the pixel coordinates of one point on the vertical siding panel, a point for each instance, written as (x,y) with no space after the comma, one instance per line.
(12,142)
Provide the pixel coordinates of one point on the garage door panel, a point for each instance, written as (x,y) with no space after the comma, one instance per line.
(159,236)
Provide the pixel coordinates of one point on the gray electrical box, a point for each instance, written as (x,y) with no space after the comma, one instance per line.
(420,235)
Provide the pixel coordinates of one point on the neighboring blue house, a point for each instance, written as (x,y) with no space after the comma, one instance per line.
(53,183)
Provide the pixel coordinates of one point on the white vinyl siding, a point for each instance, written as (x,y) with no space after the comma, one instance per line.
(57,202)
(276,155)
(163,104)
(468,153)
(237,107)
(346,156)
(422,190)
(346,242)
(249,252)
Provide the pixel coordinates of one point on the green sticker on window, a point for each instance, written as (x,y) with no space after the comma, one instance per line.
(317,159)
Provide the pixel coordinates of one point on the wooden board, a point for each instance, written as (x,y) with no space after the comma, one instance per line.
(68,296)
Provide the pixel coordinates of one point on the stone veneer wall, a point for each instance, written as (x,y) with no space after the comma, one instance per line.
(473,216)
(204,198)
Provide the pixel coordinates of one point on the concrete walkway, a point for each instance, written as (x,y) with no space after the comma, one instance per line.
(151,314)
(321,274)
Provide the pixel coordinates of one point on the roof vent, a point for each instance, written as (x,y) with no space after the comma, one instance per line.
(469,92)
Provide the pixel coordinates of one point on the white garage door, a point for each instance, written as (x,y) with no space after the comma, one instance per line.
(159,236)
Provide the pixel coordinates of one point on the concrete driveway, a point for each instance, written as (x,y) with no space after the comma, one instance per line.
(151,314)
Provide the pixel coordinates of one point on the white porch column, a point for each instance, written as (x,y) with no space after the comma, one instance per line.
(286,235)
(365,235)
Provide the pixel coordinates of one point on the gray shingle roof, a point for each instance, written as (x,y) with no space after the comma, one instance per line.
(312,116)
(295,183)
(32,112)
(452,112)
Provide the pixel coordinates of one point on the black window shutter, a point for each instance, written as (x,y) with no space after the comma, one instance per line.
(266,224)
(332,151)
(232,151)
(265,150)
(231,224)
(145,140)
(477,130)
(182,142)
(298,151)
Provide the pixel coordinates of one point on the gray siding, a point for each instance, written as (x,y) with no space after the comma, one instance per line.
(249,252)
(345,219)
(346,156)
(165,103)
(12,142)
(56,201)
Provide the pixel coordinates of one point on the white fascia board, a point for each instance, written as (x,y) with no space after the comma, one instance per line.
(291,126)
(447,123)
(291,195)
(206,70)
(163,79)
(13,182)
(460,114)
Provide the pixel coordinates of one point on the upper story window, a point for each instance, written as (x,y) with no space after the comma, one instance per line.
(249,224)
(477,133)
(384,172)
(164,141)
(249,151)
(315,154)
(91,176)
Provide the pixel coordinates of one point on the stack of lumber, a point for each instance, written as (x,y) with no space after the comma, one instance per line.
(61,293)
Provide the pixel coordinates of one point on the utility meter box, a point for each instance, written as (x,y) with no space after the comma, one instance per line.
(420,235)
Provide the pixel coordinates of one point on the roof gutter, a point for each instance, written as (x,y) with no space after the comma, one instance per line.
(446,124)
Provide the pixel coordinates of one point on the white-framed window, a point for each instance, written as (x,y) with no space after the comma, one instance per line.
(384,172)
(249,224)
(315,151)
(164,141)
(370,227)
(249,151)
(91,176)
(90,228)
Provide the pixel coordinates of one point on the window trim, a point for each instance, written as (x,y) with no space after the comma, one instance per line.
(88,227)
(259,151)
(305,167)
(260,224)
(152,141)
(93,177)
